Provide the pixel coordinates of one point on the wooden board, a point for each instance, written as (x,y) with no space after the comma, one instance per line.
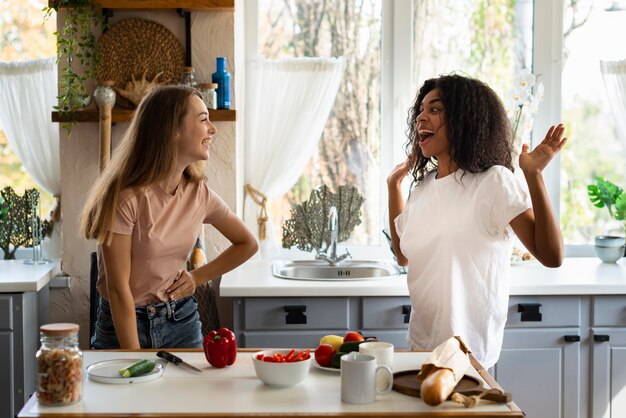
(406,382)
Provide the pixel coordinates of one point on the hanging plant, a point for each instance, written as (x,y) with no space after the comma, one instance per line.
(77,50)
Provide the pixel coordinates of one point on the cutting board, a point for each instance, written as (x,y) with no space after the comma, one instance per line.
(406,382)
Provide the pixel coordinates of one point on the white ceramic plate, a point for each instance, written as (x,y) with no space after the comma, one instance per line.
(109,372)
(328,369)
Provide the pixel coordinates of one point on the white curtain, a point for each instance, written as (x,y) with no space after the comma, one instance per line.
(288,108)
(28,91)
(614,76)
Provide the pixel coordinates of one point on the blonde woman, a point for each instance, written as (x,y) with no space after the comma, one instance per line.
(145,211)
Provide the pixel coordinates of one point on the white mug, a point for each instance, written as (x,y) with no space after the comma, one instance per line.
(383,352)
(358,378)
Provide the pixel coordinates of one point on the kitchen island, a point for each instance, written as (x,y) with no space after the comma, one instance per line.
(24,306)
(235,391)
(566,327)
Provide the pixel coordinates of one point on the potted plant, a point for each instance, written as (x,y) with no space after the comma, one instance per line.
(76,44)
(607,194)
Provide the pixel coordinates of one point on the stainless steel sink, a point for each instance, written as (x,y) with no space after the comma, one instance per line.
(346,270)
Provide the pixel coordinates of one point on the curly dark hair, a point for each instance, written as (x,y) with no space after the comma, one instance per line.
(478,129)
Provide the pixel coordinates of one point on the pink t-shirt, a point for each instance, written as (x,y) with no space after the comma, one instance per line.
(164,229)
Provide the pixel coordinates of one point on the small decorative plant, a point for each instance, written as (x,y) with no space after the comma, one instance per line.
(17,222)
(76,43)
(606,194)
(308,230)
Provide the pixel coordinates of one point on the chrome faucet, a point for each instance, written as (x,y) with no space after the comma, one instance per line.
(333,225)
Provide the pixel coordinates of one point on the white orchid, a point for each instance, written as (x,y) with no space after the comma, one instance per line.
(523,104)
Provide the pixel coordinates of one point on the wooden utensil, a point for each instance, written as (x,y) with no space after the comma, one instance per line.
(405,382)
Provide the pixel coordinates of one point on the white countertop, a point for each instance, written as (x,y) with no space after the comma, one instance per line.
(577,276)
(17,277)
(235,391)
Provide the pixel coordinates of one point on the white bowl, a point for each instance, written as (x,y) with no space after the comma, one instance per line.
(280,374)
(609,254)
(609,241)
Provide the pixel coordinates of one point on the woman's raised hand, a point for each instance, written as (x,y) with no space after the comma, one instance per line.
(399,172)
(538,159)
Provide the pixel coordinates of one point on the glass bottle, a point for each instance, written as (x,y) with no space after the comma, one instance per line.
(222,78)
(188,77)
(59,365)
(209,95)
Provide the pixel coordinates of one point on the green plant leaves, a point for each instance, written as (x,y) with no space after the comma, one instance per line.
(609,195)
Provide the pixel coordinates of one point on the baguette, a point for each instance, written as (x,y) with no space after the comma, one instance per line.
(437,386)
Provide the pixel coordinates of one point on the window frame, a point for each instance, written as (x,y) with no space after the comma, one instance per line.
(396,74)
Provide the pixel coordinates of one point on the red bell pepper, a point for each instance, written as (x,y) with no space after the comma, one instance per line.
(220,347)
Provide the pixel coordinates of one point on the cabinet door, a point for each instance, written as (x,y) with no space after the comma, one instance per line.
(541,370)
(608,387)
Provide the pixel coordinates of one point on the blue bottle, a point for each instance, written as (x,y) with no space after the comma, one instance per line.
(222,78)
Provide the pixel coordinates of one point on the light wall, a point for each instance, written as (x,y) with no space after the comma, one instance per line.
(212,36)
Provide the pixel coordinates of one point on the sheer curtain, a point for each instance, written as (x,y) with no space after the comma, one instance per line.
(614,76)
(288,107)
(29,91)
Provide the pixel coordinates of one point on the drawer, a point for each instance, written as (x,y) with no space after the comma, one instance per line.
(296,313)
(284,339)
(609,311)
(6,312)
(386,312)
(554,311)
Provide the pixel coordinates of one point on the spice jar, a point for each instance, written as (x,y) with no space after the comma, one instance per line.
(188,78)
(59,365)
(209,94)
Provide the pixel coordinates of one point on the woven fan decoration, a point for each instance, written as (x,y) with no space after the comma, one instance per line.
(139,49)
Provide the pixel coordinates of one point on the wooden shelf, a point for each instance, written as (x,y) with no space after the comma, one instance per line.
(125,115)
(163,4)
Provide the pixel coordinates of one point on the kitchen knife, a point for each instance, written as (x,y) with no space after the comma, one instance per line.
(166,355)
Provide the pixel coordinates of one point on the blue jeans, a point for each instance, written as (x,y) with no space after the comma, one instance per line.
(159,325)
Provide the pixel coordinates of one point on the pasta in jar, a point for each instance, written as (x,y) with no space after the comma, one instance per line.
(59,365)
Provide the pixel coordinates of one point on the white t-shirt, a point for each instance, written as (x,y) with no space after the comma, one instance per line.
(455,233)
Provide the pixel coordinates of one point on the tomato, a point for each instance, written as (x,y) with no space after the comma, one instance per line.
(324,354)
(352,336)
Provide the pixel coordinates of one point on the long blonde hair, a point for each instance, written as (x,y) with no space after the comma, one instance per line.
(146,154)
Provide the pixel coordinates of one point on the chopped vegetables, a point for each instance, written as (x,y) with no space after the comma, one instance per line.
(291,357)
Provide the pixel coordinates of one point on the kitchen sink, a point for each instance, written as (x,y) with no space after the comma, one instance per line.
(345,270)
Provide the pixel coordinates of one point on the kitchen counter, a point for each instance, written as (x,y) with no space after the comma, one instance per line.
(577,276)
(235,391)
(17,277)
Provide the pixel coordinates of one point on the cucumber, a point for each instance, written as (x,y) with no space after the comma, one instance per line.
(137,369)
(350,346)
(336,361)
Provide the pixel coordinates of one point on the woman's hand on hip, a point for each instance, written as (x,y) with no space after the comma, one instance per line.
(184,285)
(536,160)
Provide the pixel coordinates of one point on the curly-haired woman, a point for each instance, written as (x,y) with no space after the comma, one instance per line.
(455,230)
(146,210)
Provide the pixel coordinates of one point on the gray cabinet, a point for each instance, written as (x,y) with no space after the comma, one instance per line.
(19,341)
(562,356)
(570,362)
(608,350)
(540,361)
(301,322)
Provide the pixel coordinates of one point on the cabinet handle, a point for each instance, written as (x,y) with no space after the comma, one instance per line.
(295,314)
(406,311)
(530,312)
(571,338)
(601,338)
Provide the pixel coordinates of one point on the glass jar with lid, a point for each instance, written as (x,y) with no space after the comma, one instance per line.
(188,77)
(59,365)
(209,94)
